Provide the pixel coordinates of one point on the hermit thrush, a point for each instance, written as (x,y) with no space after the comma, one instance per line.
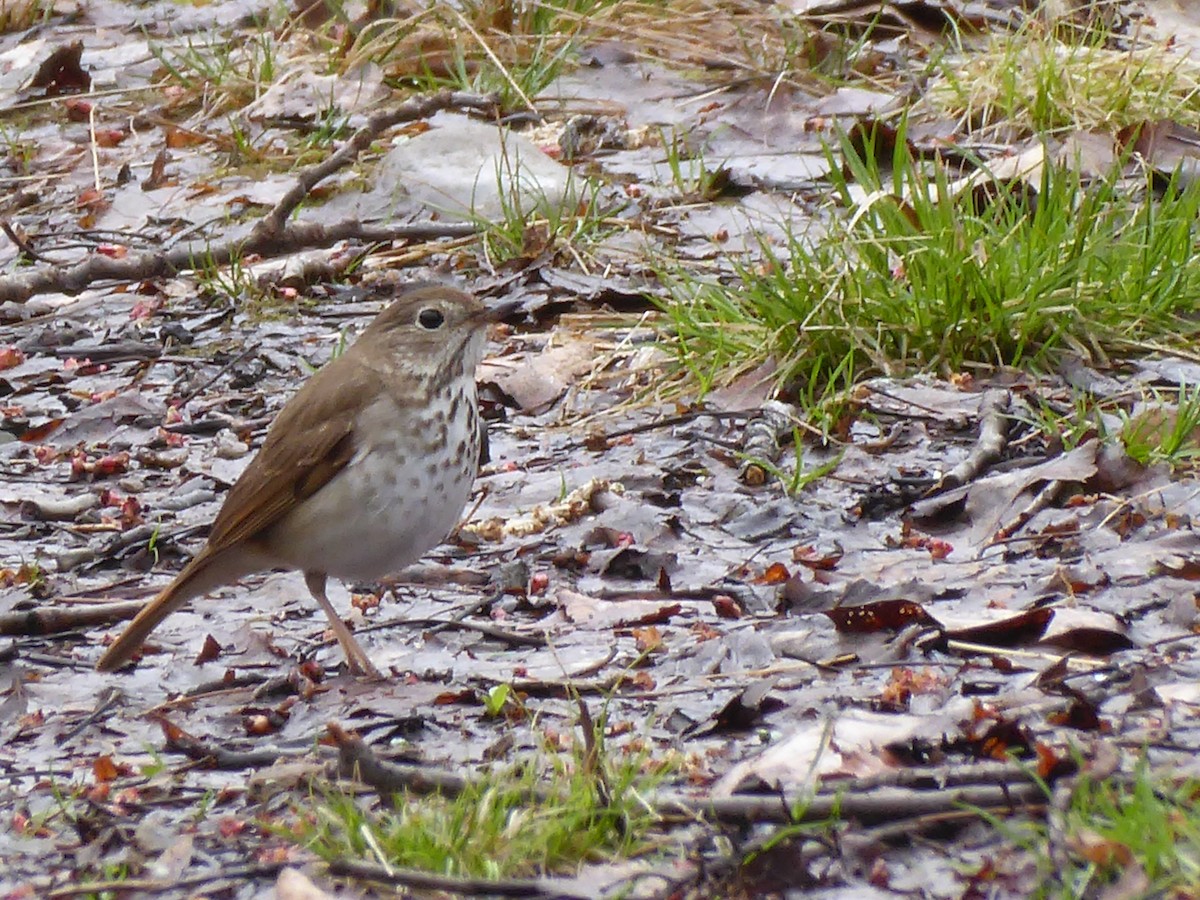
(366,468)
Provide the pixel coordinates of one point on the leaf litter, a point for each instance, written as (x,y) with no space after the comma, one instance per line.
(877,627)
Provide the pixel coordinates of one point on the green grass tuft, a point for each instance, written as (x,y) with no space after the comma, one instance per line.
(924,274)
(1151,822)
(545,816)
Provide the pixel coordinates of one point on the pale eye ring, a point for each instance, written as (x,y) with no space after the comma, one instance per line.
(430,319)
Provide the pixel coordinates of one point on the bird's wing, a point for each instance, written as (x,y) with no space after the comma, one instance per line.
(311,440)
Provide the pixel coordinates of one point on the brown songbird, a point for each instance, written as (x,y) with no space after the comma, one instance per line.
(364,470)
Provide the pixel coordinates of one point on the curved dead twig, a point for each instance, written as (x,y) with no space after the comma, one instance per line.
(993,438)
(415,108)
(434,624)
(869,807)
(459,886)
(601,439)
(976,786)
(109,699)
(237,876)
(1044,498)
(213,755)
(210,689)
(273,235)
(357,760)
(57,619)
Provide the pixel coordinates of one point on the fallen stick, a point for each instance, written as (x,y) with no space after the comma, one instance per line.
(57,619)
(273,235)
(463,887)
(993,438)
(873,805)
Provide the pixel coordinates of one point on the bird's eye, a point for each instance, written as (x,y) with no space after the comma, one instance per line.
(430,319)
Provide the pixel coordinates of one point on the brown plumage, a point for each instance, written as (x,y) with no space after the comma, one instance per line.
(366,468)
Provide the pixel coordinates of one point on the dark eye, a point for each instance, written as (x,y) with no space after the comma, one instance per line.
(430,318)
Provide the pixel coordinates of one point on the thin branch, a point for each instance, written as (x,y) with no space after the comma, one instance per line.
(989,447)
(463,887)
(409,111)
(214,756)
(241,874)
(57,619)
(875,804)
(273,235)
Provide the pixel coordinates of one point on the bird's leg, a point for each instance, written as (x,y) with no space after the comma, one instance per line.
(360,663)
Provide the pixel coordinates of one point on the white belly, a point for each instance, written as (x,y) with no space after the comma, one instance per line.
(377,515)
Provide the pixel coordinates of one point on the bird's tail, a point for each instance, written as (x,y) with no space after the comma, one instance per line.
(205,572)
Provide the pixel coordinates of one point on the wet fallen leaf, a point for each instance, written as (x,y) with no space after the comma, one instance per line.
(231,827)
(104,769)
(1011,631)
(648,639)
(643,681)
(91,199)
(110,137)
(776,573)
(1187,567)
(1081,715)
(209,651)
(77,110)
(1005,739)
(882,615)
(812,558)
(177,138)
(726,607)
(745,710)
(61,72)
(906,682)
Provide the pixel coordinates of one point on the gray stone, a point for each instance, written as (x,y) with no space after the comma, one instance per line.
(464,169)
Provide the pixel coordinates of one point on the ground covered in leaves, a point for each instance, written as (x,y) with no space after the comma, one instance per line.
(802,647)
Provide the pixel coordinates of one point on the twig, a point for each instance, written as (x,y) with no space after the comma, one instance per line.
(239,873)
(216,688)
(142,266)
(57,619)
(187,398)
(669,422)
(215,757)
(904,831)
(96,183)
(874,805)
(356,760)
(26,250)
(993,438)
(469,610)
(868,807)
(1035,660)
(494,632)
(411,110)
(884,443)
(464,887)
(50,660)
(565,689)
(107,700)
(271,236)
(1044,498)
